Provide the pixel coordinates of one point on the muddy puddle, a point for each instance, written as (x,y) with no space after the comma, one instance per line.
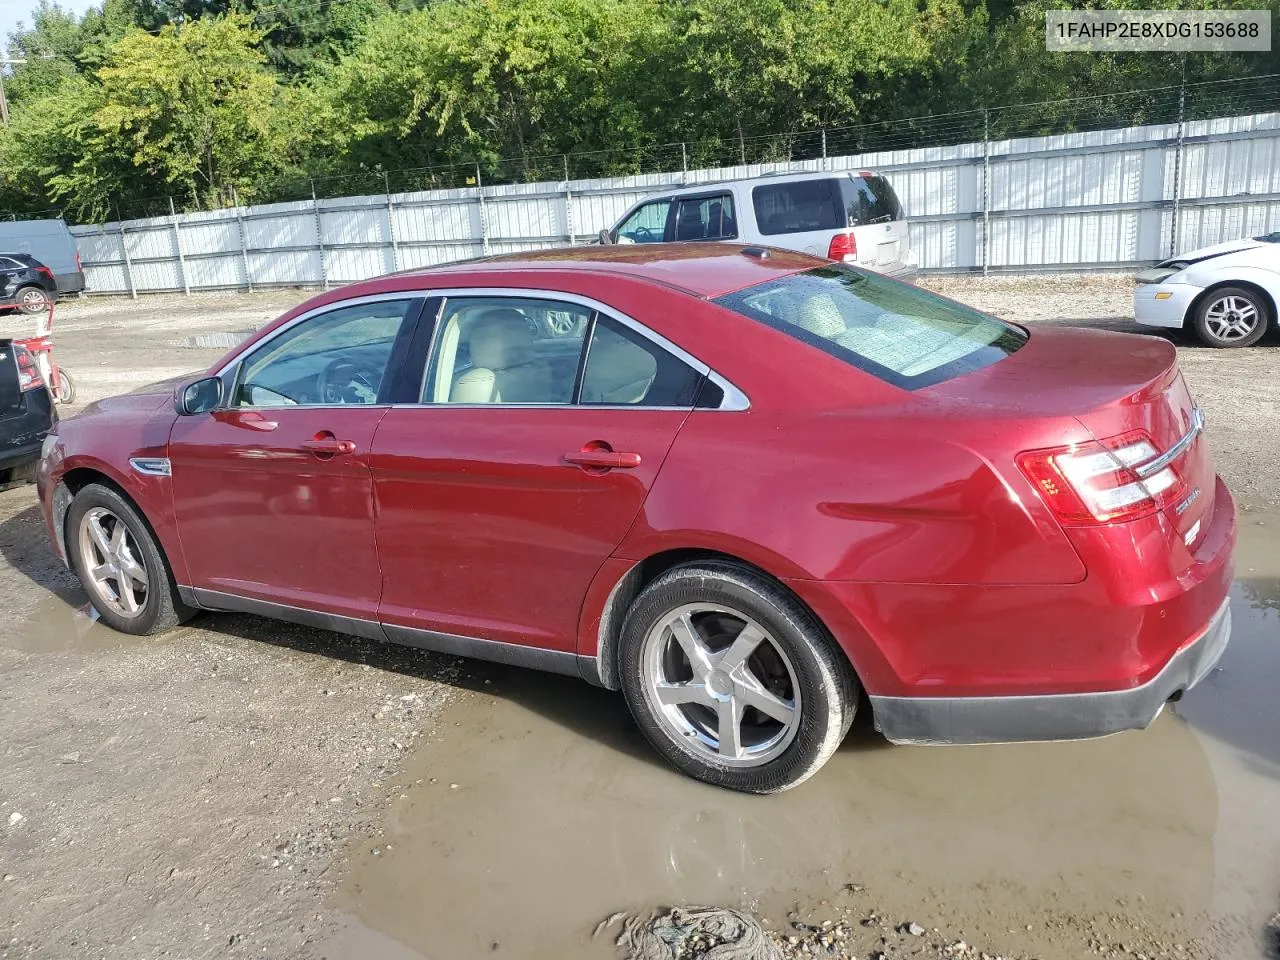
(539,810)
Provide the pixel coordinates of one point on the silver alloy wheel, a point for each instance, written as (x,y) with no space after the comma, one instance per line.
(721,685)
(1231,318)
(116,576)
(33,298)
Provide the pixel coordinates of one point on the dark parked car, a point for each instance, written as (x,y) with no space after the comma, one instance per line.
(26,413)
(26,283)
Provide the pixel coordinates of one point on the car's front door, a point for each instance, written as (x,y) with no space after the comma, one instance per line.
(502,494)
(273,492)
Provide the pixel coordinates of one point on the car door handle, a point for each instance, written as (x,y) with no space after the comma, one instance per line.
(329,446)
(604,459)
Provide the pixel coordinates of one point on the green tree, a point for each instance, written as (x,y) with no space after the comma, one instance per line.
(194,107)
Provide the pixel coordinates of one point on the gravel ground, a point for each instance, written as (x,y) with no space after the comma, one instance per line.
(197,795)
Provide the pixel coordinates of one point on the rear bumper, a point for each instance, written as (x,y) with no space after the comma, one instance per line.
(1071,716)
(19,462)
(898,270)
(69,282)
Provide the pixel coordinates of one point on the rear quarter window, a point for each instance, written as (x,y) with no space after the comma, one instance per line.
(900,333)
(799,206)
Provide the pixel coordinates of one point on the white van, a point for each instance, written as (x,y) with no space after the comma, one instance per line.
(50,242)
(851,217)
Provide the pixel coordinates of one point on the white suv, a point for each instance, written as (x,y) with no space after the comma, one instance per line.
(851,217)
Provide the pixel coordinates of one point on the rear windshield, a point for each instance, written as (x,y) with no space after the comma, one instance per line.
(895,331)
(870,200)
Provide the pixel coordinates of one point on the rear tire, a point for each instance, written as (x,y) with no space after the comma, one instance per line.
(732,680)
(1232,317)
(31,300)
(120,564)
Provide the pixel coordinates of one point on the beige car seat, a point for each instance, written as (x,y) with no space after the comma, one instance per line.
(505,367)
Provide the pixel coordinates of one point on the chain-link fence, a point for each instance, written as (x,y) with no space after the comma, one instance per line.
(1155,105)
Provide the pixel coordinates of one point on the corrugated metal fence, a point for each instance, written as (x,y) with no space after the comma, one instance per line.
(1107,198)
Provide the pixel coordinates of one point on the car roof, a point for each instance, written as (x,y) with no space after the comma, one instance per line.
(699,269)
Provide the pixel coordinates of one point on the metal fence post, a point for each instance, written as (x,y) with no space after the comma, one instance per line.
(986,191)
(825,165)
(484,222)
(1177,169)
(124,251)
(391,222)
(177,245)
(568,202)
(315,206)
(684,161)
(244,250)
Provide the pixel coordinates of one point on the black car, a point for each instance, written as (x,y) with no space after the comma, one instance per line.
(26,413)
(26,283)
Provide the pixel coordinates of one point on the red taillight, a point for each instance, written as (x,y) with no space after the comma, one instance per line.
(843,248)
(28,373)
(1094,482)
(79,266)
(46,271)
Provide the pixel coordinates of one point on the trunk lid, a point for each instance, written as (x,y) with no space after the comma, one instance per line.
(1112,384)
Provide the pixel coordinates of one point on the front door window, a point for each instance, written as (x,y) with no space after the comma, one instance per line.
(339,357)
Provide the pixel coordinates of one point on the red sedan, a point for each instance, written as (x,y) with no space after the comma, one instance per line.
(741,485)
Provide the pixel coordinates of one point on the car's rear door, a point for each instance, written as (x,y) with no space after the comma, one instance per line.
(494,515)
(272,491)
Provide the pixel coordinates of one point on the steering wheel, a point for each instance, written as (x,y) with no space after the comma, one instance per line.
(644,235)
(345,381)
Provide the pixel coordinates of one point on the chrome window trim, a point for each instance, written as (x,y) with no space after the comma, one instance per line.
(734,399)
(1152,467)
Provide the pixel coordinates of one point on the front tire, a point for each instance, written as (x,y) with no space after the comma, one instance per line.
(1231,317)
(120,564)
(732,680)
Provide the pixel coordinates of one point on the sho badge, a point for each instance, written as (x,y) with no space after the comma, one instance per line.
(1192,497)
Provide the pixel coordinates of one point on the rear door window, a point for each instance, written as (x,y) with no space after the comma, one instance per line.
(799,206)
(895,331)
(870,200)
(626,369)
(706,218)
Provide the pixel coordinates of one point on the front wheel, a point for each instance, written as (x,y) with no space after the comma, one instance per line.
(120,564)
(1231,317)
(732,680)
(32,300)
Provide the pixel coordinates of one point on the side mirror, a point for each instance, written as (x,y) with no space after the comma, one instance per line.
(200,396)
(605,237)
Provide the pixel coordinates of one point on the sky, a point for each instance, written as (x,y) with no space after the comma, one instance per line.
(12,12)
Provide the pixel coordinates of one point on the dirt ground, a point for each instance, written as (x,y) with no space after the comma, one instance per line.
(242,787)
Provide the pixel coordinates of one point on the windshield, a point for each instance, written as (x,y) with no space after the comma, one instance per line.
(895,331)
